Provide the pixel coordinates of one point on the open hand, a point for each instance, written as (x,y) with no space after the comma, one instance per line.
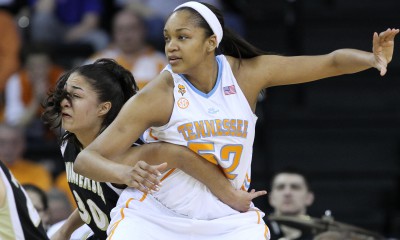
(144,177)
(382,47)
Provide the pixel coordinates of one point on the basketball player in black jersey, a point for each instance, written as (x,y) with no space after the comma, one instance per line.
(18,217)
(86,100)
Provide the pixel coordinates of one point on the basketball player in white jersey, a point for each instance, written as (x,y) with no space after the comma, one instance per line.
(18,217)
(205,100)
(85,101)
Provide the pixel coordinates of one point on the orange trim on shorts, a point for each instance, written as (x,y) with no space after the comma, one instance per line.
(266,232)
(115,225)
(259,217)
(168,173)
(145,194)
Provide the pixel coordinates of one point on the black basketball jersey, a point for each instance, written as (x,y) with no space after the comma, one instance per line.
(18,217)
(95,200)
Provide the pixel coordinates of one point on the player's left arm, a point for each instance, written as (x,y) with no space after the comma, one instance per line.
(273,70)
(194,165)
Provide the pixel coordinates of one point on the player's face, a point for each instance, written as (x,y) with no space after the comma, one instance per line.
(289,195)
(80,110)
(185,43)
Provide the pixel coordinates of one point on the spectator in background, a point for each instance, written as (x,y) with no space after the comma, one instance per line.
(27,88)
(66,22)
(157,11)
(290,195)
(59,206)
(12,147)
(39,201)
(9,52)
(130,50)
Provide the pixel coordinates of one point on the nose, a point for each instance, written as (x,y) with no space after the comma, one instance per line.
(171,46)
(65,103)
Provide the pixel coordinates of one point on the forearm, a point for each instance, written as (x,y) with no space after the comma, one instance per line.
(99,168)
(207,173)
(73,222)
(348,61)
(188,161)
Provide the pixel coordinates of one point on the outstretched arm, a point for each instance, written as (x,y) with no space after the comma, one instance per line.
(272,70)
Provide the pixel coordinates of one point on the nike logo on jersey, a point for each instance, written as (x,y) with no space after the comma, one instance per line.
(212,110)
(214,127)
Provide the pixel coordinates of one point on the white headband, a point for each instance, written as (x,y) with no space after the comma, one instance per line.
(208,15)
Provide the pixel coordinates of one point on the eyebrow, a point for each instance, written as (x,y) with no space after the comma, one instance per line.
(78,88)
(179,29)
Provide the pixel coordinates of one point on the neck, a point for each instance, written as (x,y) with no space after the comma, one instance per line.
(205,76)
(87,137)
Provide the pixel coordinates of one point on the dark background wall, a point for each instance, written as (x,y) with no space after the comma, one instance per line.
(343,132)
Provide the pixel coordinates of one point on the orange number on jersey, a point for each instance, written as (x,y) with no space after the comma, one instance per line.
(236,150)
(206,150)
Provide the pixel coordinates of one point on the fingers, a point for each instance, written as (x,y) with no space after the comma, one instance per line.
(162,167)
(145,176)
(256,194)
(383,71)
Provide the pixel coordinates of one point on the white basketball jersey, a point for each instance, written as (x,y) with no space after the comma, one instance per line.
(220,126)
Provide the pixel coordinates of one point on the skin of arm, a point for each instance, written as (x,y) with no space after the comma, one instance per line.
(133,119)
(3,194)
(198,167)
(264,71)
(95,162)
(177,157)
(73,222)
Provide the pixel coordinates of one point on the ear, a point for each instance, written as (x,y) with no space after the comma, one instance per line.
(212,43)
(271,199)
(104,108)
(309,199)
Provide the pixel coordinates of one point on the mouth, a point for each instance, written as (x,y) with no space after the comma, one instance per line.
(173,60)
(65,115)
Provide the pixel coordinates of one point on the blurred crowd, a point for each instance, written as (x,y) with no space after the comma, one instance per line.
(40,39)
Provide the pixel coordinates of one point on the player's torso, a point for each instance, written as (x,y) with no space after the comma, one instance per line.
(218,125)
(94,199)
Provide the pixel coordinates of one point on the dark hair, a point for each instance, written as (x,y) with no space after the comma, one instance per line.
(231,44)
(109,80)
(292,170)
(40,192)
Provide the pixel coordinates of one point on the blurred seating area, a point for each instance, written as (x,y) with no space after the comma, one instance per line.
(343,132)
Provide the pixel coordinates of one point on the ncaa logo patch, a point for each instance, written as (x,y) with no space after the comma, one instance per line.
(183,103)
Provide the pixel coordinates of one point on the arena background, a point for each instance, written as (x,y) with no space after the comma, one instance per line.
(342,132)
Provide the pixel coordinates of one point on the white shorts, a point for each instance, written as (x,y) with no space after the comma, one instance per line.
(143,217)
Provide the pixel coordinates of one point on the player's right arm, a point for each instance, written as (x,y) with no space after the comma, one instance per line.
(194,165)
(73,222)
(152,106)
